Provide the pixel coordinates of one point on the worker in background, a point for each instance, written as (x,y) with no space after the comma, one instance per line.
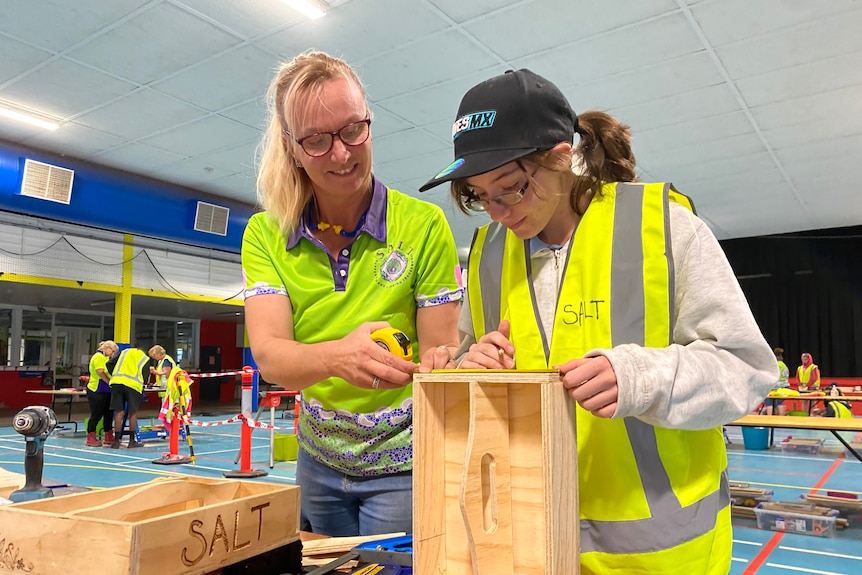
(127,392)
(99,395)
(808,374)
(620,287)
(164,365)
(335,256)
(835,407)
(771,404)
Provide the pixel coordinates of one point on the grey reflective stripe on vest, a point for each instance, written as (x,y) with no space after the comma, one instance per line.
(490,270)
(671,524)
(657,533)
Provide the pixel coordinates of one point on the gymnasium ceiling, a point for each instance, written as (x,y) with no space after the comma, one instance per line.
(752,108)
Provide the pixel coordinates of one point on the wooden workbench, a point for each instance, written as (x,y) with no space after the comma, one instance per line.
(831,424)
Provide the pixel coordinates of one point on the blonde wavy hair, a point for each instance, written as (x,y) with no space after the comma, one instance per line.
(283,187)
(157,352)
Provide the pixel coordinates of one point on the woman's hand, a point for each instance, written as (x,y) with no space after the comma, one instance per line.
(492,351)
(361,362)
(592,382)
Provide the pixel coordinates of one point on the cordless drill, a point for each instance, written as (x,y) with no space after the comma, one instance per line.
(35,423)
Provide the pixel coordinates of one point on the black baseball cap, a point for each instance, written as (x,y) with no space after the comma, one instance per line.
(505,118)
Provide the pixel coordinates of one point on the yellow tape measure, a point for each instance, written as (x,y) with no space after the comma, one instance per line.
(394,341)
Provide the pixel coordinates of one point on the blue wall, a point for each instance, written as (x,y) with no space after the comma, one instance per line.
(120,202)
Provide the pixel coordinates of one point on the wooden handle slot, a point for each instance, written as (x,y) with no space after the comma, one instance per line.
(486,489)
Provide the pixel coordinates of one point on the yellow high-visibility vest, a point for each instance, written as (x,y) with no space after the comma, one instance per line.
(652,500)
(803,374)
(128,371)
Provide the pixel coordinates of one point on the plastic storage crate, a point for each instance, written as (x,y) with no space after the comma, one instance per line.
(808,446)
(796,518)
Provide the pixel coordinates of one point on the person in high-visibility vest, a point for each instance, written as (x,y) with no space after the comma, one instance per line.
(834,406)
(163,367)
(620,287)
(771,404)
(99,395)
(808,373)
(127,392)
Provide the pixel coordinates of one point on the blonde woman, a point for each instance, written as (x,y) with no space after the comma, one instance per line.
(335,256)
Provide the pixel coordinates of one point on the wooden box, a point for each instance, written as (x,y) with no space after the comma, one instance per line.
(188,526)
(495,478)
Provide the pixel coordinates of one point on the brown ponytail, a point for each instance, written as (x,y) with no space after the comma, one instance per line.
(606,149)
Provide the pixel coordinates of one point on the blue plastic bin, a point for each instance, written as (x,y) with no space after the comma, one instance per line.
(755,437)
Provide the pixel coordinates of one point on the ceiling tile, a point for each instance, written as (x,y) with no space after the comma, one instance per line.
(438,102)
(460,11)
(29,21)
(830,106)
(72,136)
(251,113)
(831,131)
(532,27)
(18,58)
(224,80)
(247,18)
(385,122)
(240,187)
(64,88)
(622,50)
(808,43)
(140,114)
(727,21)
(211,166)
(204,135)
(685,74)
(137,158)
(358,30)
(706,151)
(407,143)
(418,167)
(693,132)
(803,80)
(678,107)
(423,63)
(670,171)
(154,44)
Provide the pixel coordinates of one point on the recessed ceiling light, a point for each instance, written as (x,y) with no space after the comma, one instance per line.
(311,9)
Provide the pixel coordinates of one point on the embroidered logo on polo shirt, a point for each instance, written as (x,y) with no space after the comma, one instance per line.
(394,264)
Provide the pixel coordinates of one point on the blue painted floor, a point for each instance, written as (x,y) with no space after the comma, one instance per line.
(68,461)
(790,475)
(755,551)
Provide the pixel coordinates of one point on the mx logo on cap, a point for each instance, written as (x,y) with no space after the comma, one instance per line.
(473,121)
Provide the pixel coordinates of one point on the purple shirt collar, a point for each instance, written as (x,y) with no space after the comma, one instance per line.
(375,220)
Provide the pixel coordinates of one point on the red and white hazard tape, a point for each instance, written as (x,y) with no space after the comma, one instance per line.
(235,419)
(218,374)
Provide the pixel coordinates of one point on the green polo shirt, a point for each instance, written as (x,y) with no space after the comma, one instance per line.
(402,258)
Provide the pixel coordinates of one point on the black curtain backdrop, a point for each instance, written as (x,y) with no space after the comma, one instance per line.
(805,290)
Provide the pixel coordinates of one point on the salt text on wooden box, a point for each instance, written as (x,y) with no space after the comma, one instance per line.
(188,526)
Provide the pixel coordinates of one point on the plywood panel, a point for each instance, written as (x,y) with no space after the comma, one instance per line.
(527,521)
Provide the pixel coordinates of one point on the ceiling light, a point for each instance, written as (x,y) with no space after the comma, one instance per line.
(311,9)
(98,302)
(9,112)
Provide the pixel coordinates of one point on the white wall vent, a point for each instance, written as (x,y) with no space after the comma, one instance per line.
(211,219)
(47,182)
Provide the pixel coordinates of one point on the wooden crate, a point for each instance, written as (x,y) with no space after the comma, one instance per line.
(495,479)
(188,526)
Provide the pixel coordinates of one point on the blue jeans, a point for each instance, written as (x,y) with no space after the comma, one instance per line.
(342,505)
